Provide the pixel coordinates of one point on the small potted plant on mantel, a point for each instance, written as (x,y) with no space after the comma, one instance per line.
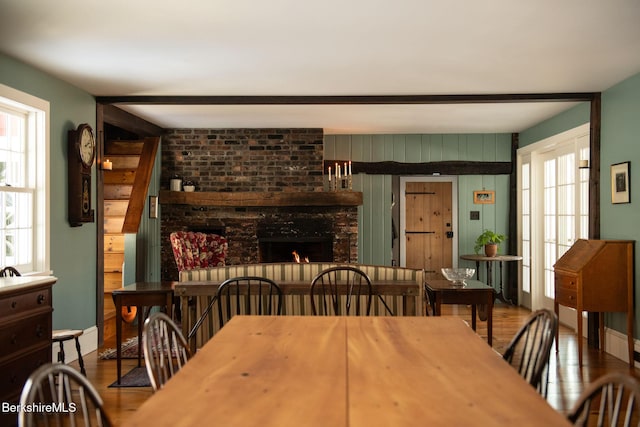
(490,241)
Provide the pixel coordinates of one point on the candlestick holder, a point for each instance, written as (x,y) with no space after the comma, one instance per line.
(343,183)
(350,182)
(331,184)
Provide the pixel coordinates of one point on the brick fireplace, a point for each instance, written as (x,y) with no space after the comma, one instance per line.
(226,164)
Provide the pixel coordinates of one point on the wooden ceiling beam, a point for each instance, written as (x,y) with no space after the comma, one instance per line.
(347,99)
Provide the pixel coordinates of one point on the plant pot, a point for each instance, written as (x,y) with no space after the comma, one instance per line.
(491,250)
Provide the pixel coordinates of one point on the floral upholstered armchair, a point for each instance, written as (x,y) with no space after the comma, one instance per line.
(193,250)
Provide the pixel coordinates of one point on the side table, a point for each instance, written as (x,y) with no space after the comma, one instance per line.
(140,294)
(473,292)
(500,259)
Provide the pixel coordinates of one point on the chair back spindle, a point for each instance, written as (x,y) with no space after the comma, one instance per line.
(248,295)
(76,401)
(611,400)
(165,349)
(530,348)
(342,290)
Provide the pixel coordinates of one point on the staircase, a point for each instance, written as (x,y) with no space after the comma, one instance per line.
(119,187)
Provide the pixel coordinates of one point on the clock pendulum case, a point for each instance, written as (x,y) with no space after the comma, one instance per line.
(80,155)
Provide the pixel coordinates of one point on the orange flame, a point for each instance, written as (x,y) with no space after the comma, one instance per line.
(296,257)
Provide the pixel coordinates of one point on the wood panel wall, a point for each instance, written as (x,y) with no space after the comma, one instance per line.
(375,217)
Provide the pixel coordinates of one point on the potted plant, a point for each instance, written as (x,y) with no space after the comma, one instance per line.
(490,241)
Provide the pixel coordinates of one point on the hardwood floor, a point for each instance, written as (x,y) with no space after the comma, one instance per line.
(566,380)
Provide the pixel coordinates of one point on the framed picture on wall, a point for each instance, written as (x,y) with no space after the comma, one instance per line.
(484,197)
(620,191)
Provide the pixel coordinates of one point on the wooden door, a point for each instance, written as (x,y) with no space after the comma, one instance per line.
(428,231)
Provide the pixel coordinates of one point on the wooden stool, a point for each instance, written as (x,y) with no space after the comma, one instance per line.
(60,336)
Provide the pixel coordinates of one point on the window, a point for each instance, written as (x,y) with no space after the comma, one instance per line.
(24,208)
(525,197)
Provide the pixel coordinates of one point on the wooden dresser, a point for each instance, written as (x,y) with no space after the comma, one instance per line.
(597,276)
(25,334)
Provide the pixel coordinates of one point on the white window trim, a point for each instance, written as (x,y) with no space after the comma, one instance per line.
(41,113)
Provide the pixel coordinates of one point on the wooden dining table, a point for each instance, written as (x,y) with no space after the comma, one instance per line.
(346,371)
(407,290)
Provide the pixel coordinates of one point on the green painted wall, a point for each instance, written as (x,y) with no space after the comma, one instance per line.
(73,250)
(374,230)
(620,142)
(620,134)
(574,117)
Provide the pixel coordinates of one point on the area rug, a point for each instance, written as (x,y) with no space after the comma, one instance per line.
(129,350)
(137,377)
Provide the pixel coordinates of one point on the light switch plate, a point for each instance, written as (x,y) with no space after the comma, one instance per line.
(153,206)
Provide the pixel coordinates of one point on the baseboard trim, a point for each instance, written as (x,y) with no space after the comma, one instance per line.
(616,345)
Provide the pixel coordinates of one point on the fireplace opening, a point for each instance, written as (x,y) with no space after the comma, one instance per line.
(281,249)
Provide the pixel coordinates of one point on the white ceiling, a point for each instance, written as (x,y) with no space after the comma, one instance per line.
(331,47)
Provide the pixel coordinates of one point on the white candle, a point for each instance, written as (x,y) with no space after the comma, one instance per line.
(350,173)
(329,173)
(107,165)
(339,174)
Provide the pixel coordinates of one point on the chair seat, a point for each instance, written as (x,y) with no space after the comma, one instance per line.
(62,335)
(66,334)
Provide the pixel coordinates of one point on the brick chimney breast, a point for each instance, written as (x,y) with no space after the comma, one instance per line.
(249,160)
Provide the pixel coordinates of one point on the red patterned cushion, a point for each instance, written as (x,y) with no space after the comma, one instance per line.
(193,250)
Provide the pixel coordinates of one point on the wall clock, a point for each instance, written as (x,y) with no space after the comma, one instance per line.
(81,151)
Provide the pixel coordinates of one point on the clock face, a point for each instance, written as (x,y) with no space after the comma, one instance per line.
(87,146)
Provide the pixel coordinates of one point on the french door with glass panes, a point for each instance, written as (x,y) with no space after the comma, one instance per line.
(553,211)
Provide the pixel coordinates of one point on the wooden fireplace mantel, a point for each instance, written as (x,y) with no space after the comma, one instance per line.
(262,199)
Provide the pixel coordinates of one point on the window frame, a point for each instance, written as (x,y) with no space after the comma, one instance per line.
(573,141)
(38,146)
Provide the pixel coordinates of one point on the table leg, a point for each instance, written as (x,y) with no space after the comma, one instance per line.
(490,319)
(409,305)
(579,315)
(630,344)
(500,295)
(118,303)
(437,304)
(473,317)
(169,305)
(556,311)
(140,313)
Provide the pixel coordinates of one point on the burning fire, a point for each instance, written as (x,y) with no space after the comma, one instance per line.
(296,257)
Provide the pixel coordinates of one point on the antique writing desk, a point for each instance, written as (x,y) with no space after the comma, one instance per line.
(346,371)
(597,276)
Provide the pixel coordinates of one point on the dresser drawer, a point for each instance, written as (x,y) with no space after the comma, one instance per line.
(566,290)
(24,333)
(20,303)
(16,372)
